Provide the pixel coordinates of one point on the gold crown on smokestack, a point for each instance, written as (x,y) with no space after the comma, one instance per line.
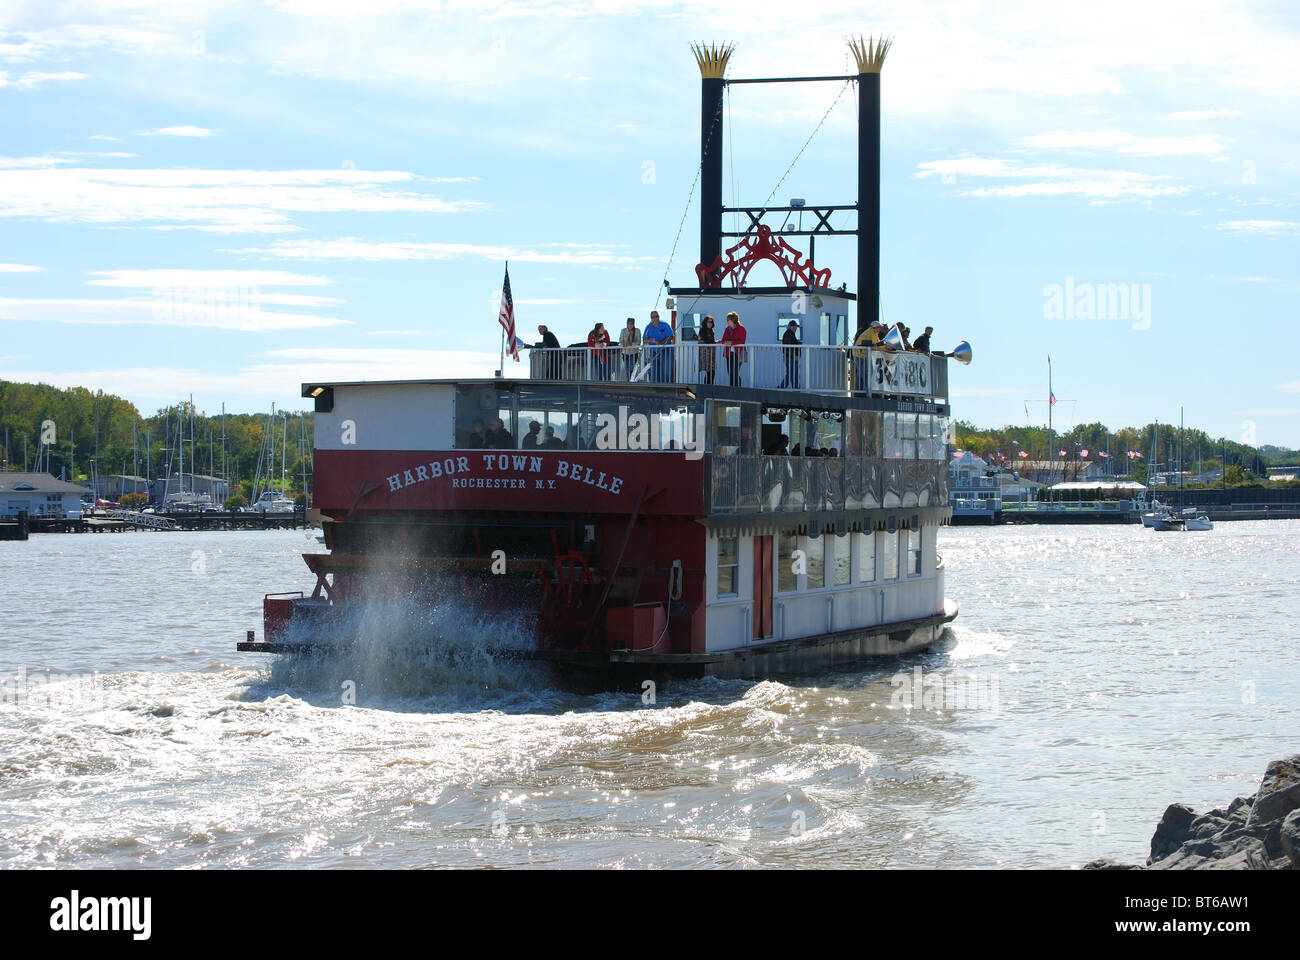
(712,58)
(870,53)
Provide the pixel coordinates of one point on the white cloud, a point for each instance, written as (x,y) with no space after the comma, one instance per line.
(355,249)
(1291,387)
(212,310)
(182,131)
(149,279)
(18,268)
(225,201)
(1118,141)
(1271,228)
(1048,179)
(394,333)
(34,78)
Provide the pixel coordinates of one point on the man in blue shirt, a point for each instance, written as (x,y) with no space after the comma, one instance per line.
(659,336)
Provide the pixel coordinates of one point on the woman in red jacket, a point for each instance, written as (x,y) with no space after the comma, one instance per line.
(733,339)
(598,344)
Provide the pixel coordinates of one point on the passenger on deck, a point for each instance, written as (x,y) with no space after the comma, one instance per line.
(477,436)
(533,438)
(708,349)
(868,337)
(499,437)
(598,344)
(629,341)
(734,340)
(791,353)
(552,442)
(922,343)
(658,335)
(551,344)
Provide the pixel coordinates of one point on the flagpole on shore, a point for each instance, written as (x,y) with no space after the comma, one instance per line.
(1050,395)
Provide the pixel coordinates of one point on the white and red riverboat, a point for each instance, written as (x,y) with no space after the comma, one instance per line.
(667,512)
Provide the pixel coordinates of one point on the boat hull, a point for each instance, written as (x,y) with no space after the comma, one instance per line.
(756,661)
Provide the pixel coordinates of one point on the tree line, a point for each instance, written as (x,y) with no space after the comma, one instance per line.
(77,434)
(1200,452)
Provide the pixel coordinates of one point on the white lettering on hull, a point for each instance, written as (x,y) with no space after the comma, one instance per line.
(503,463)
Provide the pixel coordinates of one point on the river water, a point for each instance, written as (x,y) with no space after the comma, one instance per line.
(1095,675)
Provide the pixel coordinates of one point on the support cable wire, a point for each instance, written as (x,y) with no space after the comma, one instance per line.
(816,129)
(689,197)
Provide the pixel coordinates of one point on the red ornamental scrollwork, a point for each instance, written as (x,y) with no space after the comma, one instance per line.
(754,247)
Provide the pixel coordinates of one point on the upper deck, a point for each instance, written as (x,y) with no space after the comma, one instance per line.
(842,371)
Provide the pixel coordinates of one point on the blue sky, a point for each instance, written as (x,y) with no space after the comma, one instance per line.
(227,199)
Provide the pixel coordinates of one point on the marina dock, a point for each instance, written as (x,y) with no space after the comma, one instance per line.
(204,520)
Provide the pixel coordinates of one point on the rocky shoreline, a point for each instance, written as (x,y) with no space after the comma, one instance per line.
(1252,833)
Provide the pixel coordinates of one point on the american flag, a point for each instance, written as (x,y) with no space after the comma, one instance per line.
(1083,452)
(1023,454)
(1052,398)
(507,318)
(1104,455)
(1061,452)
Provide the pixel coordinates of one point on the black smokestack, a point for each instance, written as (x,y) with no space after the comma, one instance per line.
(870,58)
(713,66)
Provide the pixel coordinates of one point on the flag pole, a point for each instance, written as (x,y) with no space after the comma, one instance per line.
(1051,445)
(502,362)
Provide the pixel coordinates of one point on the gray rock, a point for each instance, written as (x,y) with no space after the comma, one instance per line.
(1289,838)
(1172,831)
(1279,793)
(1105,863)
(1251,833)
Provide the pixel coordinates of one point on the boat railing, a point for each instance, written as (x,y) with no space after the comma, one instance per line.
(845,371)
(785,484)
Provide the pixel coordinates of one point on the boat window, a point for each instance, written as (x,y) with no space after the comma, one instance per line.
(866,558)
(842,325)
(728,565)
(478,408)
(907,434)
(611,419)
(815,550)
(734,428)
(893,441)
(786,578)
(862,428)
(889,561)
(840,550)
(913,553)
(783,319)
(828,435)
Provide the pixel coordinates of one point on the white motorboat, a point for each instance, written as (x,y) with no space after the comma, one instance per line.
(1201,522)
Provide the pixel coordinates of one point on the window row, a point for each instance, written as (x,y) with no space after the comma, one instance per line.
(814,563)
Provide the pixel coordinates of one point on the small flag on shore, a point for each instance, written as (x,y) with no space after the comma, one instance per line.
(1053,398)
(507,317)
(1083,452)
(1023,454)
(1104,455)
